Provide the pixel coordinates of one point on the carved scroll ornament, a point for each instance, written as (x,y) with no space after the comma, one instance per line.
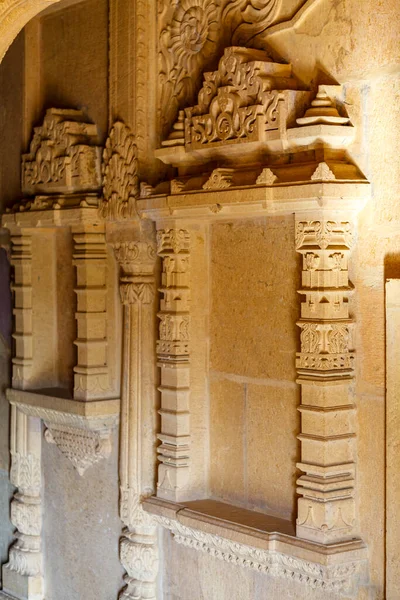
(193,34)
(120,174)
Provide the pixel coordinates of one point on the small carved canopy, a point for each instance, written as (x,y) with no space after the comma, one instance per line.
(248,99)
(63,156)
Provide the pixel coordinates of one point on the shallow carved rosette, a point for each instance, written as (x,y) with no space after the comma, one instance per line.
(186,42)
(120,175)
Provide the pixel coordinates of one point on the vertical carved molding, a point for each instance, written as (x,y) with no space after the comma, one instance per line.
(132,76)
(91,378)
(173,246)
(326,508)
(21,259)
(22,575)
(138,546)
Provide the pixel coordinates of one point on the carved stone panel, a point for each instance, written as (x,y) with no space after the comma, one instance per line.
(63,156)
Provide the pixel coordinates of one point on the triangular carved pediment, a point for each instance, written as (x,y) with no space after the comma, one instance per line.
(63,156)
(249,98)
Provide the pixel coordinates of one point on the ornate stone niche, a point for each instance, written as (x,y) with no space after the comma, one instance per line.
(64,326)
(254,145)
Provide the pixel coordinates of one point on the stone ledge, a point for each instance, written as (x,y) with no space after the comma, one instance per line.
(81,430)
(53,405)
(262,543)
(261,200)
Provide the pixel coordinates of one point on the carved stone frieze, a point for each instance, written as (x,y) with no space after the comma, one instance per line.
(120,175)
(63,156)
(240,101)
(185,41)
(341,578)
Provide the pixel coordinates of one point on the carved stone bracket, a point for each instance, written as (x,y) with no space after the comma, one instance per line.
(82,431)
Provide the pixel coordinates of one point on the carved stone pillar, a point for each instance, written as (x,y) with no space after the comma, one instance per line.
(326,508)
(91,373)
(21,259)
(173,359)
(22,575)
(138,547)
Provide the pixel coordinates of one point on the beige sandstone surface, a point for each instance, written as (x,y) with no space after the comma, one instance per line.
(163,297)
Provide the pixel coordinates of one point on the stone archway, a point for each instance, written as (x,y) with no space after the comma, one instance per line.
(14,15)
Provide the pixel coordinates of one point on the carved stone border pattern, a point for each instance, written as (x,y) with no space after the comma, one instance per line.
(338,578)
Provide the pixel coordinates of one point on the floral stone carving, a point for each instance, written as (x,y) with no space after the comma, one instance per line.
(63,156)
(82,431)
(246,100)
(120,175)
(341,578)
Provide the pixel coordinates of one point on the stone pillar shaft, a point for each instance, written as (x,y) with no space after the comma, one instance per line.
(21,259)
(326,508)
(23,574)
(91,379)
(138,547)
(173,359)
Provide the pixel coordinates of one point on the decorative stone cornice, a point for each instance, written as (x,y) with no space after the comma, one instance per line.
(278,556)
(276,564)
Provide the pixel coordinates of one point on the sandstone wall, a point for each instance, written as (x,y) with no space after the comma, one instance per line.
(61,60)
(255,276)
(254,272)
